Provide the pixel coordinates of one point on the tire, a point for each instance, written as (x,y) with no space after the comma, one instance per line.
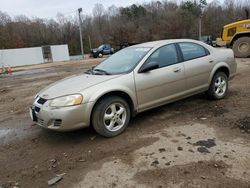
(218,87)
(241,47)
(116,119)
(100,55)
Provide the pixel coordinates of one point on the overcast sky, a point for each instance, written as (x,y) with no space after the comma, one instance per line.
(50,8)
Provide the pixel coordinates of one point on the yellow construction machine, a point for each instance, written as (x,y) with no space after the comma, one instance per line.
(236,36)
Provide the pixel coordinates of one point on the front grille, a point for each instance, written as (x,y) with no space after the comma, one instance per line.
(41,101)
(37,109)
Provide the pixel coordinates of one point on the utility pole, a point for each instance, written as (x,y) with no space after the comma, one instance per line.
(200,17)
(80,29)
(202,4)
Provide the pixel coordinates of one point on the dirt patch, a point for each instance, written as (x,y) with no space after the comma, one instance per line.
(30,155)
(61,156)
(200,174)
(244,124)
(219,111)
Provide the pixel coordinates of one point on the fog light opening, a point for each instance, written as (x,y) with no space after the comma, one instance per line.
(55,122)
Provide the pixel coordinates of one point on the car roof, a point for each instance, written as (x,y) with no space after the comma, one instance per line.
(164,42)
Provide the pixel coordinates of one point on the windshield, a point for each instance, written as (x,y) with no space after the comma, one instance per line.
(101,47)
(122,61)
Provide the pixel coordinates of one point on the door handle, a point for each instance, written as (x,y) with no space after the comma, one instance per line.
(211,61)
(177,70)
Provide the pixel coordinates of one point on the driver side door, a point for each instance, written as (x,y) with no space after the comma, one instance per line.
(163,84)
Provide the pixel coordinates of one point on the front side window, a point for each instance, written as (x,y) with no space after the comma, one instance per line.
(192,50)
(164,56)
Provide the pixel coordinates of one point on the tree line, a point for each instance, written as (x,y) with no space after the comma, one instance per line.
(120,25)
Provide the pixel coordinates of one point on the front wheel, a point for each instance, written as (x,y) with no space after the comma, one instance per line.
(241,47)
(100,55)
(218,87)
(111,116)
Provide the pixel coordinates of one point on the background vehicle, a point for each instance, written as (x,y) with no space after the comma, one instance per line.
(125,45)
(207,39)
(133,80)
(236,36)
(104,49)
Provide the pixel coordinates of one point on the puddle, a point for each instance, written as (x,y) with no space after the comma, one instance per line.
(206,143)
(28,72)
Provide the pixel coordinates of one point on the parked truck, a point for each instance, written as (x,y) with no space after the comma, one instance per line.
(236,35)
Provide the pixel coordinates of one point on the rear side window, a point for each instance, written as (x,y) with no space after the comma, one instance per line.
(164,56)
(192,50)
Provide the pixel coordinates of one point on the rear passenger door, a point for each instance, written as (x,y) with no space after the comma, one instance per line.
(160,85)
(198,64)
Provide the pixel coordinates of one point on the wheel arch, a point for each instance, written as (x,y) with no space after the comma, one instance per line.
(118,93)
(223,67)
(239,35)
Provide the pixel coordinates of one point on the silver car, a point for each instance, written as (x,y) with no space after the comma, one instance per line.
(133,80)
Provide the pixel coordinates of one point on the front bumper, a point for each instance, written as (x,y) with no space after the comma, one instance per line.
(63,118)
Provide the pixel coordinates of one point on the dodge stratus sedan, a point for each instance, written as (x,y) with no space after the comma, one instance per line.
(133,80)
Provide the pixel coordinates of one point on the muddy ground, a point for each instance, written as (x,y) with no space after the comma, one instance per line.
(191,143)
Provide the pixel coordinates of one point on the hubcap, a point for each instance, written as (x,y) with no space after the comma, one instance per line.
(115,117)
(244,47)
(220,86)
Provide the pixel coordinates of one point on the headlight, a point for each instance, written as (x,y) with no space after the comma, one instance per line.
(69,100)
(36,96)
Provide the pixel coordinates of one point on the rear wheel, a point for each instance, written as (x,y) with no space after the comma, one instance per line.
(218,87)
(111,116)
(241,47)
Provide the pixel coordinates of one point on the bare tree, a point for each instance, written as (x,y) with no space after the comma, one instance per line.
(137,23)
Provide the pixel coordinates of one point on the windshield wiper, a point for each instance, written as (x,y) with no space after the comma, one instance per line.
(90,71)
(103,71)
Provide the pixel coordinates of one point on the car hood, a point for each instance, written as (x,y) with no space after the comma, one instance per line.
(94,49)
(73,85)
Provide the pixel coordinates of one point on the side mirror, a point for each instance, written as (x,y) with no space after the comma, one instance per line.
(149,66)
